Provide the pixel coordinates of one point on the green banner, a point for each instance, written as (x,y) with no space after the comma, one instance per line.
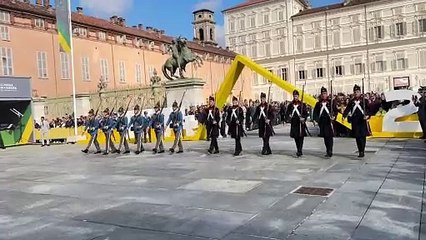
(63,24)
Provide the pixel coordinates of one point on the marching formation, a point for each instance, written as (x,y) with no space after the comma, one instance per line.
(324,113)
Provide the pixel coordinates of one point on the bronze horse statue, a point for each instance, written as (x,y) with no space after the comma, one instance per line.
(181,56)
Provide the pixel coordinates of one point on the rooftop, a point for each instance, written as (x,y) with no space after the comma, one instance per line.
(247,3)
(81,19)
(347,3)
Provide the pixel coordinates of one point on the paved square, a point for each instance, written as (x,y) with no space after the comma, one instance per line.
(58,193)
(222,185)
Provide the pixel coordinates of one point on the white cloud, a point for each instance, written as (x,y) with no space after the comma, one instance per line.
(107,8)
(213,5)
(220,35)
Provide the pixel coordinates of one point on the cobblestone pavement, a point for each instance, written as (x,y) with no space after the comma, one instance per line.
(59,193)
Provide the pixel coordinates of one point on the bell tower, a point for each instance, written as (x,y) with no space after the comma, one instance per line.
(204,27)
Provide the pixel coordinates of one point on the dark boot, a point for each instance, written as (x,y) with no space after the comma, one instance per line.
(85,150)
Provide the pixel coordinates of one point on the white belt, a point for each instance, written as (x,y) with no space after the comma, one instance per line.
(324,108)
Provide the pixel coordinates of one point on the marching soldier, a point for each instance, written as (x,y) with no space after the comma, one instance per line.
(145,128)
(137,123)
(235,120)
(157,123)
(176,123)
(212,125)
(421,113)
(92,126)
(297,113)
(358,113)
(122,128)
(265,115)
(108,125)
(324,115)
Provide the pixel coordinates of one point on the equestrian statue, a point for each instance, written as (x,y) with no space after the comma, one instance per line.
(181,56)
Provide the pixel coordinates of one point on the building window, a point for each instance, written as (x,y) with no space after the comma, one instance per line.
(336,37)
(268,49)
(85,69)
(242,24)
(243,50)
(232,41)
(280,15)
(356,34)
(231,26)
(39,23)
(254,51)
(359,68)
(138,71)
(319,72)
(421,7)
(252,21)
(104,69)
(102,36)
(6,61)
(265,18)
(4,17)
(422,25)
(283,74)
(282,46)
(377,33)
(266,34)
(122,67)
(80,31)
(4,33)
(299,44)
(151,70)
(400,64)
(317,43)
(380,66)
(42,64)
(252,37)
(397,11)
(65,66)
(399,29)
(376,14)
(302,74)
(338,70)
(422,58)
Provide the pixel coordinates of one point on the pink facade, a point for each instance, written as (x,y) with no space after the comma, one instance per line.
(33,41)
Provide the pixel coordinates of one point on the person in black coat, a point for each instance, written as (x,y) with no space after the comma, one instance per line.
(212,125)
(421,112)
(297,113)
(235,121)
(324,115)
(358,113)
(265,115)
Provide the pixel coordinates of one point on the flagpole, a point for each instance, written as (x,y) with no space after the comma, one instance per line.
(74,100)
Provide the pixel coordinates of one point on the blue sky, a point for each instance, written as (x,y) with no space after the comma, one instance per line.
(173,16)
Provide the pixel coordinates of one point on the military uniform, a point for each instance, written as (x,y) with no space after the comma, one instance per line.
(176,123)
(145,128)
(421,113)
(235,121)
(157,123)
(297,113)
(212,125)
(92,126)
(355,112)
(122,128)
(265,116)
(108,124)
(324,115)
(137,123)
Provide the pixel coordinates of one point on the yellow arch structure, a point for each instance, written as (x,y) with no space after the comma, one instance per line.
(237,67)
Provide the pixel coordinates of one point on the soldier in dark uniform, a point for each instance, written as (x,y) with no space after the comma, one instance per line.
(421,113)
(235,121)
(324,115)
(358,117)
(265,115)
(297,113)
(176,123)
(122,128)
(157,123)
(108,125)
(92,126)
(137,123)
(212,125)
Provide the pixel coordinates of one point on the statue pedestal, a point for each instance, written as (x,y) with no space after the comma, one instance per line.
(194,92)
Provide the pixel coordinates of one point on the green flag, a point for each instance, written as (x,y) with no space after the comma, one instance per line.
(63,24)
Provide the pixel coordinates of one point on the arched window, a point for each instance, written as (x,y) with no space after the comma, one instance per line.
(201,34)
(211,34)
